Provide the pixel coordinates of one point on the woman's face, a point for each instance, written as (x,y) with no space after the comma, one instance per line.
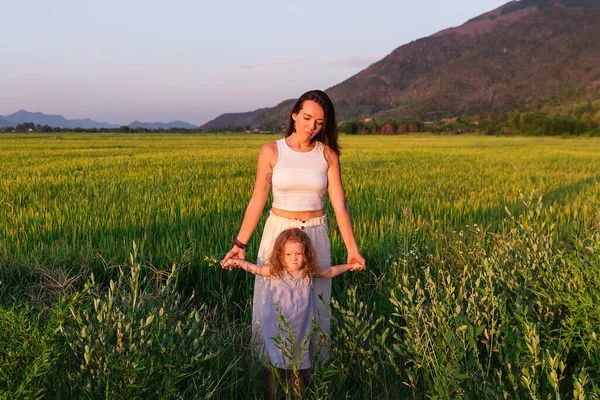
(310,119)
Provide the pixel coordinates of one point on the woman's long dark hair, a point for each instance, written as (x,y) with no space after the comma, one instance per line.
(329,132)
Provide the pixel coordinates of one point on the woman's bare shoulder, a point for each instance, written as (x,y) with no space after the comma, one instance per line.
(270,147)
(269,153)
(330,156)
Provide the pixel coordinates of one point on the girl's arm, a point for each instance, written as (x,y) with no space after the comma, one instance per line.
(336,270)
(262,185)
(262,270)
(340,207)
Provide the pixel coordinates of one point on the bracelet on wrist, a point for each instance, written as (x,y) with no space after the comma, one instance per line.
(238,244)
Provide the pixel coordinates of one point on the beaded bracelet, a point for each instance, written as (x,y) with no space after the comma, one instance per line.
(238,244)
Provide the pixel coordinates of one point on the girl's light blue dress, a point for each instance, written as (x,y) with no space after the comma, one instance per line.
(287,321)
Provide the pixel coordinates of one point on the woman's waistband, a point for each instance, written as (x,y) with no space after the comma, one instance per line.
(299,223)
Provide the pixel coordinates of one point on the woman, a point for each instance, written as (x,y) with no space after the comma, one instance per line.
(299,167)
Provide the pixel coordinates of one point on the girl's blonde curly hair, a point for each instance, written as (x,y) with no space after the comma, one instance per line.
(277,259)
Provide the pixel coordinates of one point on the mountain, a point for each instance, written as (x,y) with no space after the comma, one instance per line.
(58,121)
(55,121)
(162,125)
(522,55)
(235,119)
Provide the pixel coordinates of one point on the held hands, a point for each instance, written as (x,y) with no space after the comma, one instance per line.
(356,266)
(233,263)
(355,257)
(234,253)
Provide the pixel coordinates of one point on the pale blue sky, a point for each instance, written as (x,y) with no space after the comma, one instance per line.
(118,61)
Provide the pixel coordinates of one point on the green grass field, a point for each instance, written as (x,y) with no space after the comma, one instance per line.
(483,259)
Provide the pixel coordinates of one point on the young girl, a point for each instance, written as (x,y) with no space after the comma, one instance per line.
(289,308)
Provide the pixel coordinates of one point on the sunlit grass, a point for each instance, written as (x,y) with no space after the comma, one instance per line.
(68,198)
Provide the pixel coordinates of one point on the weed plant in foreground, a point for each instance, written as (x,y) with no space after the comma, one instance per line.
(509,315)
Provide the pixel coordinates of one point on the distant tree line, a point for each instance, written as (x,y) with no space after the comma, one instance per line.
(386,127)
(31,127)
(232,129)
(140,129)
(536,123)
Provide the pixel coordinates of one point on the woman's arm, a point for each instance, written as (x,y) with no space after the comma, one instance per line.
(264,171)
(262,270)
(336,270)
(338,202)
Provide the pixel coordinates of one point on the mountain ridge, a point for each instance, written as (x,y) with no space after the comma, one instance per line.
(520,55)
(59,121)
(461,70)
(248,119)
(53,120)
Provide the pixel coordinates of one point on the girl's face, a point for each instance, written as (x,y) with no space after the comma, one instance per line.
(293,257)
(309,120)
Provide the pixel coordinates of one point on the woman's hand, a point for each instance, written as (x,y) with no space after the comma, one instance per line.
(356,257)
(235,252)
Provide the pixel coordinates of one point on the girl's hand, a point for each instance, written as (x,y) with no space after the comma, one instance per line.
(356,266)
(233,263)
(235,253)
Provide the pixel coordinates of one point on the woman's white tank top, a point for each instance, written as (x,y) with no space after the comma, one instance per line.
(299,179)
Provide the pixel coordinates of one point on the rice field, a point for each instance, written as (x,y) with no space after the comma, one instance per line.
(475,248)
(67,199)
